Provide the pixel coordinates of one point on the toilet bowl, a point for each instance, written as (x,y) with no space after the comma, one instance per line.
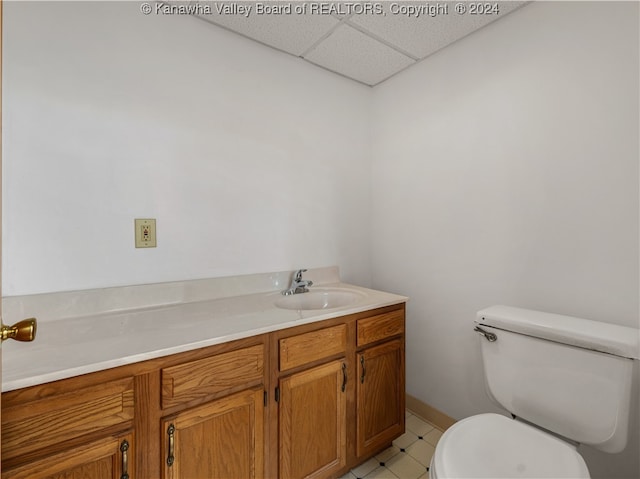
(565,380)
(493,446)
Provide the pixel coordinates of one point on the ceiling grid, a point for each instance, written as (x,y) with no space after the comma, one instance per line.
(368,45)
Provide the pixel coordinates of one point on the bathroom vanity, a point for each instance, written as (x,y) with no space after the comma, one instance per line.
(163,393)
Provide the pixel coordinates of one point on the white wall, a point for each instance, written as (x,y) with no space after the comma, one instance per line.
(250,159)
(505,171)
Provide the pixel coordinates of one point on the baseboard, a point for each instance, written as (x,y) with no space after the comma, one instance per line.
(431,414)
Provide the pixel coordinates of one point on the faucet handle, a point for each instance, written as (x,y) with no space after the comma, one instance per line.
(298,274)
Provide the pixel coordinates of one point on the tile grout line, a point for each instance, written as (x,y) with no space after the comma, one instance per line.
(405,465)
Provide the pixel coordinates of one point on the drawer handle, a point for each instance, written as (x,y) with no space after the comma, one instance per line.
(124,449)
(171,432)
(363,370)
(344,376)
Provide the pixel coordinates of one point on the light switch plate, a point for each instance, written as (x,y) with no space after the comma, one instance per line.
(145,232)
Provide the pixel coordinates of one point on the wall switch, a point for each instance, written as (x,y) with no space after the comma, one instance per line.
(145,233)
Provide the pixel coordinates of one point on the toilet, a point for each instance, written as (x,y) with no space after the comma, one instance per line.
(565,381)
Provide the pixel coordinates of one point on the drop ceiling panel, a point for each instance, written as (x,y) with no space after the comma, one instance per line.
(417,33)
(351,53)
(291,33)
(366,47)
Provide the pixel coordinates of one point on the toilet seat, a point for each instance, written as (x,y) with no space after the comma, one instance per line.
(493,446)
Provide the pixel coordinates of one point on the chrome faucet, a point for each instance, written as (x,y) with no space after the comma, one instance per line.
(298,285)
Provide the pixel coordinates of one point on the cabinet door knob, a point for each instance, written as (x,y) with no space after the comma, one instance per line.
(24,330)
(363,370)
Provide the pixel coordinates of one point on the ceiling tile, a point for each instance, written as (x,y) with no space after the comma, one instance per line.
(423,34)
(292,33)
(358,56)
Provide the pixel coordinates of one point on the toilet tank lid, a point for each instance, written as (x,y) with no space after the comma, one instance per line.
(585,333)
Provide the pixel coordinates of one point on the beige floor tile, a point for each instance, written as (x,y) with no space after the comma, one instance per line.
(365,468)
(421,451)
(433,436)
(407,458)
(381,473)
(418,426)
(405,466)
(405,440)
(387,454)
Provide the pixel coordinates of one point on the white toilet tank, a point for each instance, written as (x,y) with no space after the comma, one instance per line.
(568,375)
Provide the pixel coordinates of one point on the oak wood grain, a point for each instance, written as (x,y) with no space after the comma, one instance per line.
(220,439)
(314,345)
(101,459)
(380,327)
(34,425)
(196,379)
(380,396)
(313,422)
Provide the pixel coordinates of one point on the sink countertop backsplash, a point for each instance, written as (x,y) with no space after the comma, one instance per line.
(86,331)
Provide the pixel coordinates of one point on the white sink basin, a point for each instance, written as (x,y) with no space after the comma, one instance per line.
(319,299)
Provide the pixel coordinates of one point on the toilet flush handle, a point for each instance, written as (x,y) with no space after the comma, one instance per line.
(488,336)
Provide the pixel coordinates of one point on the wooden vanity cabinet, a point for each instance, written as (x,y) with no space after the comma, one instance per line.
(340,392)
(220,439)
(70,429)
(310,401)
(381,381)
(112,424)
(106,458)
(214,416)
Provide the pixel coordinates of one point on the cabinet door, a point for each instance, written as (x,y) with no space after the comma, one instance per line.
(108,458)
(380,396)
(313,422)
(223,439)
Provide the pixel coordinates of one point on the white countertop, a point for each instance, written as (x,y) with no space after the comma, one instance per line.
(71,346)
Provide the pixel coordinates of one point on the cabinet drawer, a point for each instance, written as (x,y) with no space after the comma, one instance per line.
(308,347)
(37,424)
(201,378)
(381,326)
